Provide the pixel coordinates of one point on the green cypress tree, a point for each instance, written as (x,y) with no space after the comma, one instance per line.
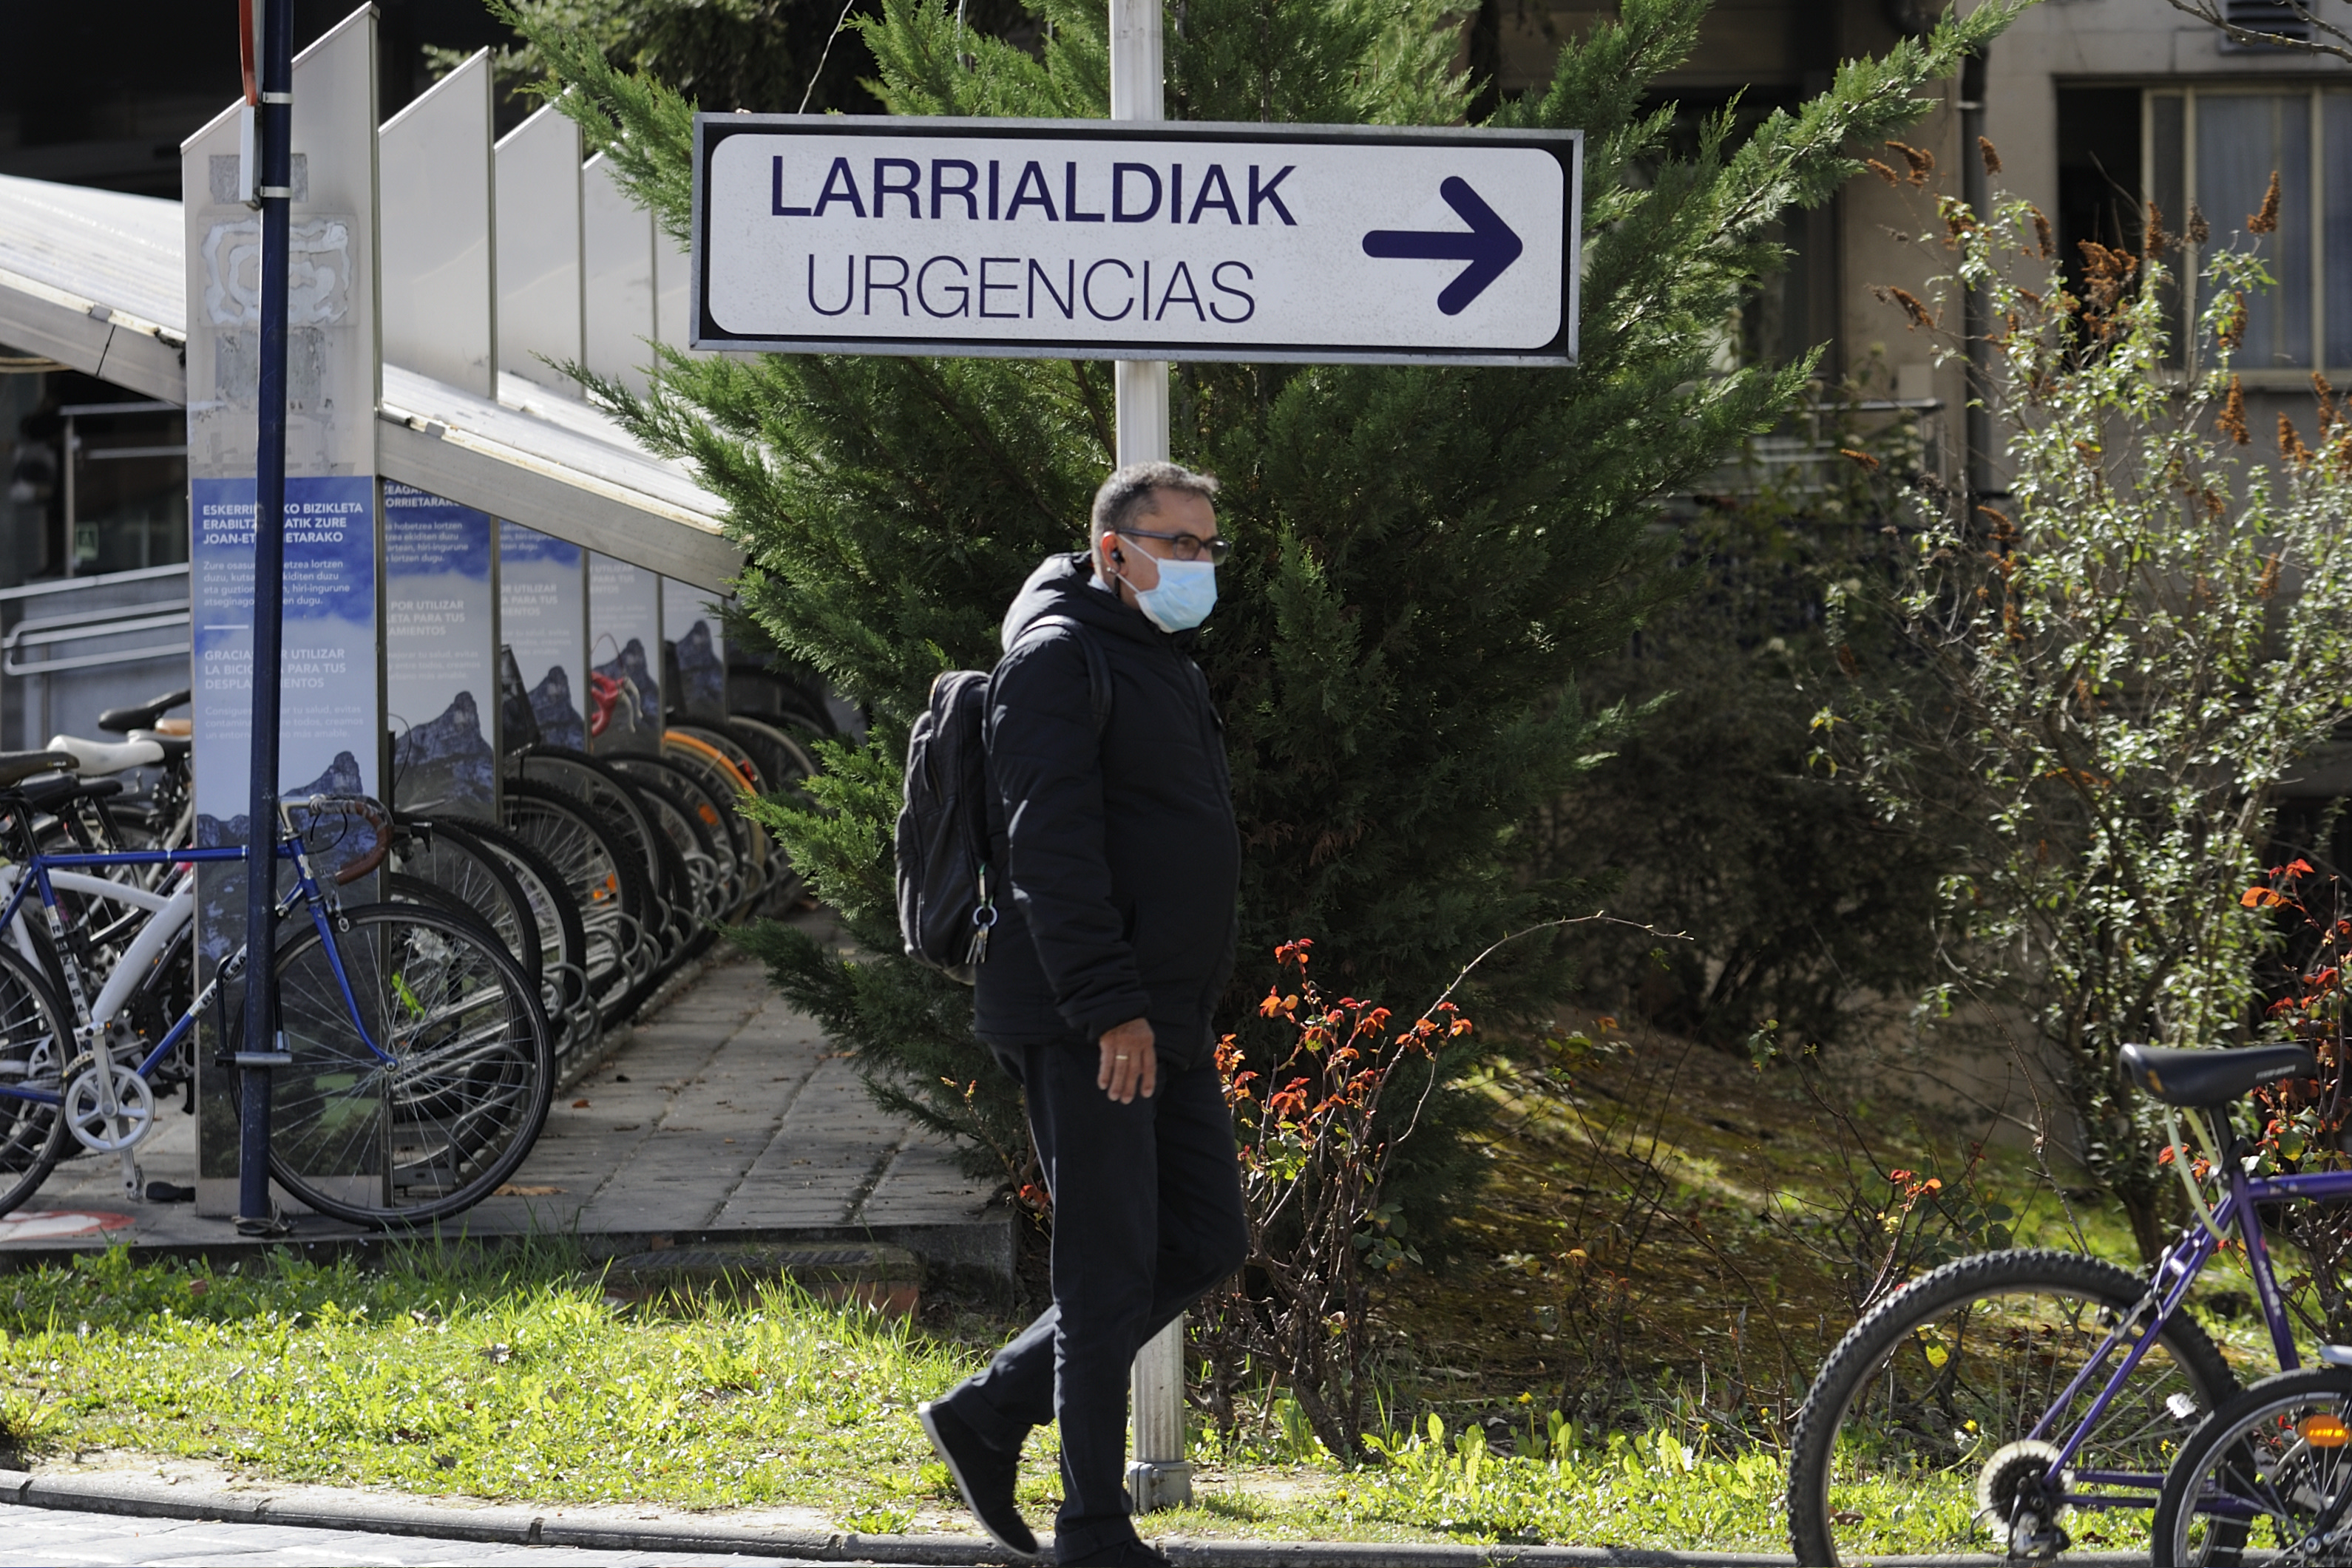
(1426,556)
(767,55)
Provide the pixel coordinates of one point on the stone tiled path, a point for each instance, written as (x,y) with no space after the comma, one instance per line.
(724,1111)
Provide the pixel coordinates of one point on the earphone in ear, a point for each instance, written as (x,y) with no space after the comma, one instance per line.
(1118,555)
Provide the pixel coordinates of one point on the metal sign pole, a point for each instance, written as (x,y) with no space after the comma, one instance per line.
(257,1053)
(1159,1476)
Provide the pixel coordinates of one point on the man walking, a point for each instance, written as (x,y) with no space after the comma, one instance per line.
(1117,830)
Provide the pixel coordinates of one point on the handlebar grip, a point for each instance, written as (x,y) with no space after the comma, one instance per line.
(377,818)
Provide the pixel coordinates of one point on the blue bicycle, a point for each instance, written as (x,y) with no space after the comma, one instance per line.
(413,1068)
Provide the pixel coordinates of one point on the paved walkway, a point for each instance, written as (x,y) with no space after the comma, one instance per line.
(57,1537)
(726,1111)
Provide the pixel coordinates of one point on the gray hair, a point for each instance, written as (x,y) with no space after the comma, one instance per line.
(1132,491)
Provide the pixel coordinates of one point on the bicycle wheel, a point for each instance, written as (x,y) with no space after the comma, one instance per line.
(603,880)
(2268,1475)
(428,1119)
(563,942)
(721,831)
(400,888)
(1917,1434)
(34,1042)
(614,803)
(726,782)
(786,764)
(449,859)
(706,865)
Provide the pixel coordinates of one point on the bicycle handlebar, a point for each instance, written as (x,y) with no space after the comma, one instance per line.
(376,816)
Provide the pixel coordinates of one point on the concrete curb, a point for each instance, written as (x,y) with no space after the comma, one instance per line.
(523,1526)
(133,1497)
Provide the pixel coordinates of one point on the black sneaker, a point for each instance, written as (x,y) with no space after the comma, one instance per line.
(984,1474)
(1128,1553)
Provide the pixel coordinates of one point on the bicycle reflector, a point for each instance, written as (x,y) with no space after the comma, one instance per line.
(2324,1430)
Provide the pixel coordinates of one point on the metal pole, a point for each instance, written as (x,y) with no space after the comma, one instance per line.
(1161,1477)
(258,1051)
(1975,418)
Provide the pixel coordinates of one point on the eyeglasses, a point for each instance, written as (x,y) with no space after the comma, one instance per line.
(1189,547)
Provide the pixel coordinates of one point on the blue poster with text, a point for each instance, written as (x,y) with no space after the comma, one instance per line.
(327,725)
(440,652)
(544,619)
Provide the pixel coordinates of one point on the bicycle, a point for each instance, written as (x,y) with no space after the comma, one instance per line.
(1992,1397)
(414,1068)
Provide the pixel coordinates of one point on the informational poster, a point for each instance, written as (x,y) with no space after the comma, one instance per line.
(694,661)
(327,678)
(440,653)
(625,636)
(543,626)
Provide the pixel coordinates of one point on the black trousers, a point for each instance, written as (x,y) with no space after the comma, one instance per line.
(1147,1220)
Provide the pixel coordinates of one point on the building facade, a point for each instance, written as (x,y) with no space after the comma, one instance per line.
(2097,108)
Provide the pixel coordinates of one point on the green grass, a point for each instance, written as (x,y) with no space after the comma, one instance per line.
(516,1381)
(522,1381)
(519,1380)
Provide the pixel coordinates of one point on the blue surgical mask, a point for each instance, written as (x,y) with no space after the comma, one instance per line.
(1186,593)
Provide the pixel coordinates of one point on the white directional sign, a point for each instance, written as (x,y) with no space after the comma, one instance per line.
(1093,239)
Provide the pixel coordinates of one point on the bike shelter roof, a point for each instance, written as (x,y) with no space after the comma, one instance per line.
(96,281)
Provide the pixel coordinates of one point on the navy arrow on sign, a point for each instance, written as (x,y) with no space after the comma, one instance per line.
(1489,246)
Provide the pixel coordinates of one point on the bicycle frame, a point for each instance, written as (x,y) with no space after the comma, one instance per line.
(2175,1272)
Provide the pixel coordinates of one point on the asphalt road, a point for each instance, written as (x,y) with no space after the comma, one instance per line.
(46,1538)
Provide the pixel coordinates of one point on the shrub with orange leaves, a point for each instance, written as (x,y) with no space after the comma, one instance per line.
(1322,1100)
(2305,1125)
(2125,661)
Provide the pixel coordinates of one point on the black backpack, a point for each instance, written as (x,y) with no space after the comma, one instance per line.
(947,895)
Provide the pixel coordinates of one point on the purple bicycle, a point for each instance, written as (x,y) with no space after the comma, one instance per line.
(2010,1406)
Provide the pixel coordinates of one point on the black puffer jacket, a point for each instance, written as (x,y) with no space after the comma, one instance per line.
(1120,844)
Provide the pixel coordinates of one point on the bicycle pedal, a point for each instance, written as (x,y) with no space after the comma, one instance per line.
(170,1192)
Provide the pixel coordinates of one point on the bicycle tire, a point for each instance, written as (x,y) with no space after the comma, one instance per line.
(613,801)
(1921,1444)
(563,943)
(727,782)
(476,882)
(706,865)
(2257,1438)
(722,828)
(601,875)
(35,1044)
(728,748)
(439,1128)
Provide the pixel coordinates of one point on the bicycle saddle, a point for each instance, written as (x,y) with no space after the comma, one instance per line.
(2203,1078)
(173,745)
(48,791)
(123,720)
(100,756)
(15,767)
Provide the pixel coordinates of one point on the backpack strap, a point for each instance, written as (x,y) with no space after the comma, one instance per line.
(1097,667)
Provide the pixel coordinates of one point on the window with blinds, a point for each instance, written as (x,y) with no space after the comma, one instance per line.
(2213,151)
